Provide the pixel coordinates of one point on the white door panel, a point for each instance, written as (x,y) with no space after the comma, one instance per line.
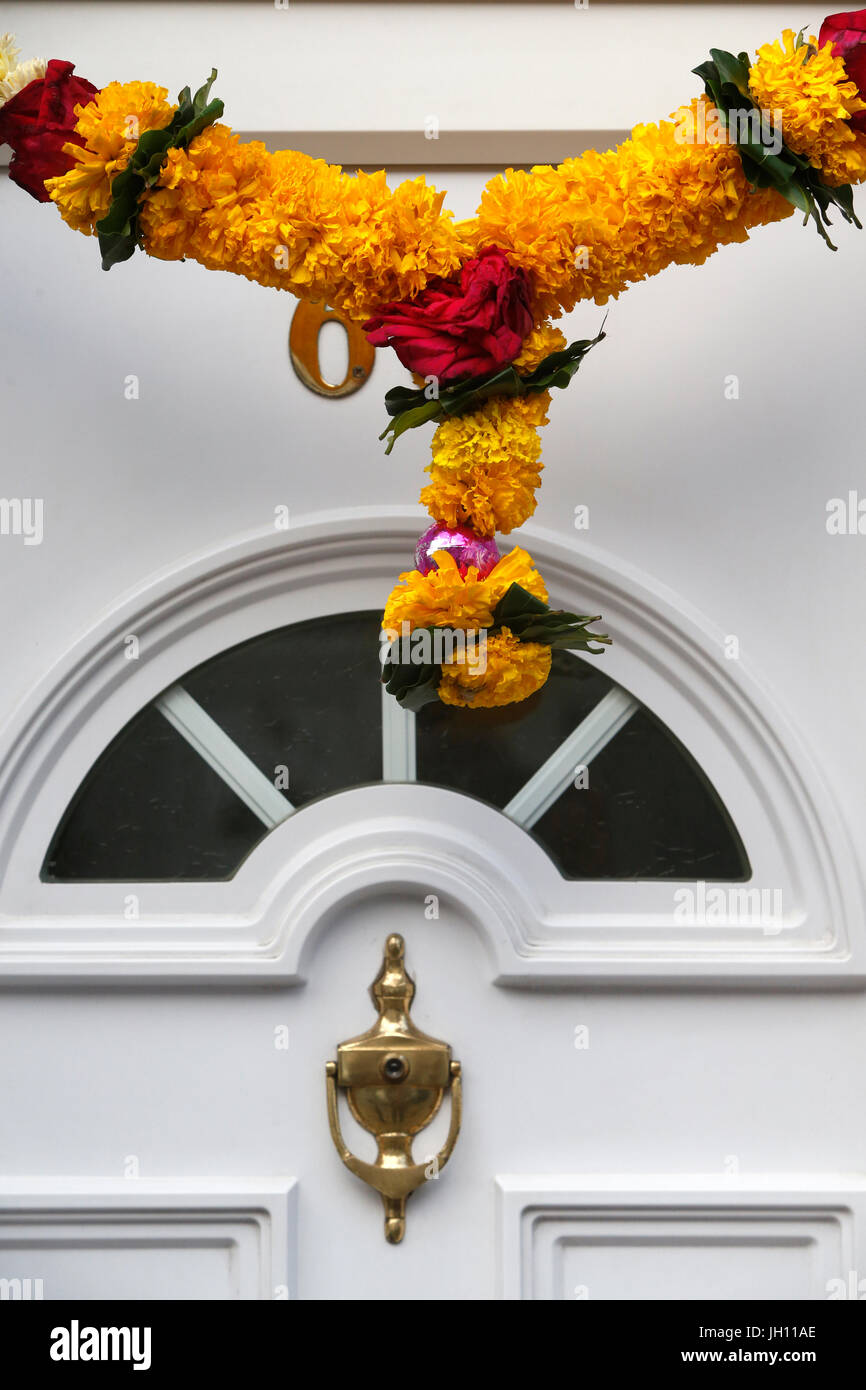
(686,1237)
(134,1239)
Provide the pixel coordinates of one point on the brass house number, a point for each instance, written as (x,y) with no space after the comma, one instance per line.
(304,333)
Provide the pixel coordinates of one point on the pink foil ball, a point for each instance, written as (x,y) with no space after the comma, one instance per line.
(466,547)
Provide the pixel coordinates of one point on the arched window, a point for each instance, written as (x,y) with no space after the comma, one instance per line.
(250,737)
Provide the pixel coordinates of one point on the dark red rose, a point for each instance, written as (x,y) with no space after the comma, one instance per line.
(38,121)
(460,328)
(847,33)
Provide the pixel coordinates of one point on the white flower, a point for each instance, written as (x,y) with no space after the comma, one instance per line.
(8,55)
(19,76)
(15,75)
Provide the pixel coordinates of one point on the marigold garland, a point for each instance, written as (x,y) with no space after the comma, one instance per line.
(596,224)
(284,220)
(583,230)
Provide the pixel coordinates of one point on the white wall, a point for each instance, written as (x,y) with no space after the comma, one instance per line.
(331,66)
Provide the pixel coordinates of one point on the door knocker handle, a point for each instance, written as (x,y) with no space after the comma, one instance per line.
(395,1078)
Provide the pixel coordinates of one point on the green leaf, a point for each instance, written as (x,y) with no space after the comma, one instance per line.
(515,602)
(559,629)
(413,686)
(409,420)
(412,683)
(115,248)
(410,408)
(777,168)
(708,74)
(795,194)
(726,82)
(844,200)
(199,123)
(118,230)
(531,620)
(420,695)
(124,200)
(202,96)
(732,71)
(400,398)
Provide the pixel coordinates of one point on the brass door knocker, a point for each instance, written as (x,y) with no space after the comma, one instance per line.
(395,1078)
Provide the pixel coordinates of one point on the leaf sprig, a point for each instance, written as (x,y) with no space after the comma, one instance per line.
(118,231)
(410,408)
(532,620)
(726,82)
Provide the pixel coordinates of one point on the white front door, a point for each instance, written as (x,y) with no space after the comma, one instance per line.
(632,908)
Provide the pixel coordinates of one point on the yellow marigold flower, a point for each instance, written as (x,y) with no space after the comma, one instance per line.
(504,429)
(515,670)
(487,463)
(443,598)
(208,206)
(812,90)
(524,213)
(491,499)
(540,343)
(392,242)
(110,126)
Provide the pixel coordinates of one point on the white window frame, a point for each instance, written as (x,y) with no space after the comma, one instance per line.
(539,927)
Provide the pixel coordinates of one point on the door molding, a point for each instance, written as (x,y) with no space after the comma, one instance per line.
(245,1229)
(556,1234)
(262,925)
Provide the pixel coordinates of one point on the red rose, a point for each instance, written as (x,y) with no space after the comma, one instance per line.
(457,329)
(38,121)
(847,34)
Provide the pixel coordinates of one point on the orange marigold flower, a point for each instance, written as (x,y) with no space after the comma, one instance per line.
(110,126)
(541,342)
(816,98)
(514,671)
(487,464)
(444,598)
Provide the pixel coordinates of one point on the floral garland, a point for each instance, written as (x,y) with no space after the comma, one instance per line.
(467,306)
